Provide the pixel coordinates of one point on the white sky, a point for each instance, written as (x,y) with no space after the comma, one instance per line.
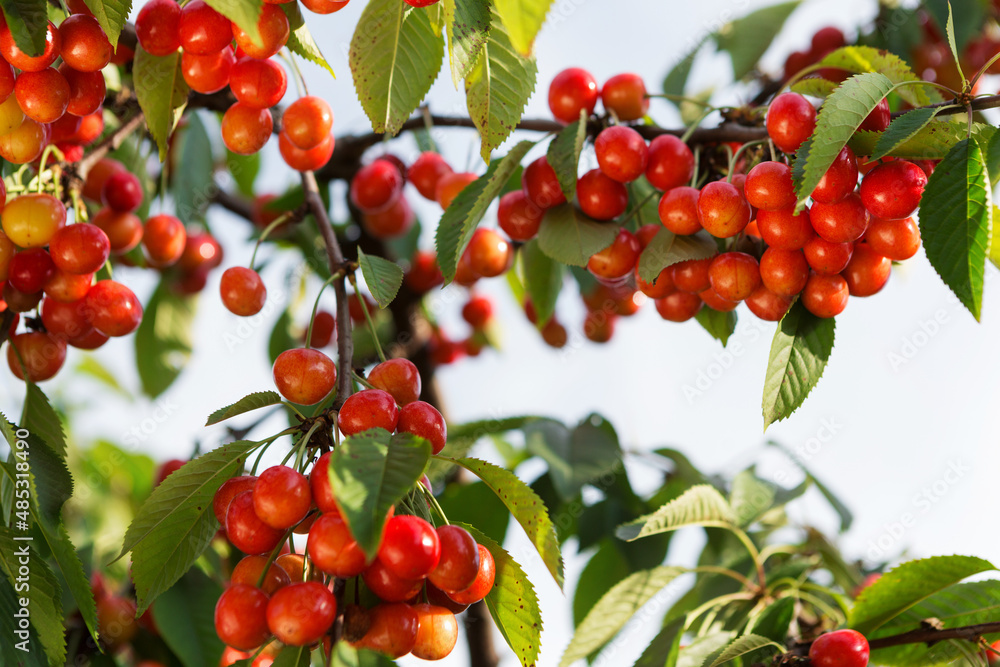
(882,435)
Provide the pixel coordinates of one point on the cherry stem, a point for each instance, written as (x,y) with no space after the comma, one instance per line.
(425,113)
(736,156)
(300,81)
(312,318)
(294,409)
(282,219)
(271,558)
(363,382)
(689,132)
(368,317)
(49,150)
(638,207)
(429,495)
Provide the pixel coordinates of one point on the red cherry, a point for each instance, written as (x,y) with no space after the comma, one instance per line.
(896,239)
(399,377)
(483,584)
(246,530)
(437,632)
(85,47)
(392,630)
(242,290)
(65,320)
(113,308)
(249,570)
(490,254)
(274,31)
(66,287)
(410,548)
(425,173)
(229,490)
(791,119)
(722,209)
(41,353)
(241,617)
(767,305)
(308,122)
(893,190)
(22,61)
(867,272)
(769,186)
(304,376)
(30,269)
(202,30)
(734,275)
(314,158)
(300,614)
(826,257)
(572,90)
(712,299)
(370,408)
(458,565)
(387,586)
(208,73)
(839,180)
(600,197)
(671,163)
(259,84)
(878,119)
(679,306)
(164,238)
(201,250)
(625,95)
(784,272)
(319,484)
(42,95)
(784,228)
(376,186)
(842,222)
(678,210)
(621,153)
(332,549)
(122,192)
(825,295)
(618,259)
(541,185)
(841,648)
(245,130)
(423,420)
(158,27)
(518,217)
(478,311)
(281,497)
(124,230)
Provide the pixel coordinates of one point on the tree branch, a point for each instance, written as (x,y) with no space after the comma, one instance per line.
(932,635)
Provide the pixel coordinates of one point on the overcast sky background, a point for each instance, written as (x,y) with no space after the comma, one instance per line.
(902,423)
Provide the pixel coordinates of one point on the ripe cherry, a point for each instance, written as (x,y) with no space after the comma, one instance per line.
(625,95)
(678,210)
(600,197)
(209,73)
(867,272)
(437,632)
(259,84)
(450,185)
(518,217)
(784,272)
(113,308)
(893,190)
(842,222)
(281,497)
(67,287)
(426,171)
(387,586)
(490,254)
(116,618)
(572,90)
(324,6)
(300,614)
(304,376)
(410,548)
(621,153)
(274,31)
(879,117)
(250,568)
(122,192)
(42,354)
(323,329)
(692,275)
(423,420)
(722,209)
(424,274)
(841,648)
(201,250)
(541,185)
(25,143)
(459,562)
(826,257)
(712,299)
(319,484)
(202,30)
(164,238)
(896,239)
(85,47)
(767,305)
(22,61)
(670,164)
(246,530)
(483,584)
(241,617)
(478,311)
(392,630)
(18,301)
(618,259)
(769,186)
(229,490)
(124,230)
(242,290)
(316,157)
(93,184)
(376,186)
(791,119)
(307,121)
(158,27)
(734,275)
(245,130)
(65,320)
(825,295)
(332,549)
(660,288)
(30,269)
(399,377)
(369,408)
(839,180)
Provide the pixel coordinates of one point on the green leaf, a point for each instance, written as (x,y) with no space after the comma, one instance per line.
(842,113)
(664,649)
(468,27)
(469,207)
(42,421)
(526,507)
(543,280)
(184,615)
(575,458)
(28,21)
(31,652)
(799,354)
(513,603)
(743,645)
(615,609)
(676,80)
(497,88)
(605,568)
(931,143)
(968,18)
(65,556)
(382,277)
(749,37)
(300,41)
(244,13)
(462,437)
(293,656)
(163,340)
(750,497)
(394,57)
(570,237)
(244,170)
(369,473)
(194,180)
(161,92)
(700,505)
(774,622)
(564,154)
(865,59)
(111,15)
(476,503)
(698,652)
(42,593)
(814,87)
(281,338)
(177,522)
(902,129)
(956,213)
(720,325)
(523,19)
(908,584)
(667,248)
(254,401)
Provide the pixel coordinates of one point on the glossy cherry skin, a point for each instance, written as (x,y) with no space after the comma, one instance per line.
(42,354)
(67,287)
(670,163)
(841,648)
(625,95)
(281,497)
(65,320)
(230,489)
(201,250)
(31,220)
(158,27)
(93,184)
(767,305)
(518,217)
(661,287)
(572,90)
(249,569)
(387,586)
(842,222)
(692,275)
(424,274)
(790,121)
(826,257)
(459,562)
(784,272)
(209,73)
(450,185)
(769,186)
(84,47)
(879,117)
(7,80)
(423,420)
(245,129)
(618,259)
(86,91)
(242,290)
(300,614)
(622,153)
(22,61)
(867,272)
(370,408)
(274,32)
(896,239)
(114,309)
(260,84)
(839,180)
(541,185)
(304,376)
(601,197)
(734,275)
(678,210)
(307,121)
(324,6)
(483,584)
(426,171)
(332,549)
(679,306)
(825,295)
(241,617)
(893,190)
(712,299)
(399,377)
(437,632)
(478,311)
(319,484)
(410,548)
(164,239)
(490,254)
(24,144)
(316,157)
(376,186)
(722,209)
(124,230)
(30,269)
(246,530)
(392,630)
(122,192)
(202,30)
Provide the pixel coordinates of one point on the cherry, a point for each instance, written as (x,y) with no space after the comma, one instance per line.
(827,39)
(826,257)
(791,119)
(572,90)
(241,617)
(784,272)
(392,630)
(242,290)
(458,565)
(767,305)
(11,115)
(274,31)
(300,614)
(67,287)
(304,376)
(281,497)
(483,584)
(22,61)
(600,197)
(621,153)
(825,295)
(369,408)
(164,239)
(692,275)
(645,234)
(314,158)
(625,95)
(249,570)
(89,341)
(116,618)
(671,163)
(712,299)
(93,183)
(842,222)
(50,93)
(30,269)
(376,186)
(319,484)
(168,468)
(259,84)
(893,190)
(878,119)
(387,586)
(895,239)
(425,421)
(201,250)
(477,312)
(734,275)
(65,320)
(841,648)
(661,287)
(122,192)
(202,30)
(7,251)
(618,259)
(245,130)
(246,530)
(229,490)
(426,171)
(437,632)
(722,210)
(769,186)
(7,80)
(113,308)
(424,274)
(518,217)
(324,327)
(867,272)
(25,143)
(42,354)
(398,377)
(18,301)
(490,254)
(541,185)
(839,180)
(332,549)
(64,129)
(678,210)
(450,185)
(124,230)
(679,306)
(325,6)
(308,121)
(410,548)
(158,27)
(85,47)
(208,73)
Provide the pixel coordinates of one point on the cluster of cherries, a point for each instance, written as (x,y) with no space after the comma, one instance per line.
(210,61)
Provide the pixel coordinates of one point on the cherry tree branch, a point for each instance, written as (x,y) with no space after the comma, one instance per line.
(932,635)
